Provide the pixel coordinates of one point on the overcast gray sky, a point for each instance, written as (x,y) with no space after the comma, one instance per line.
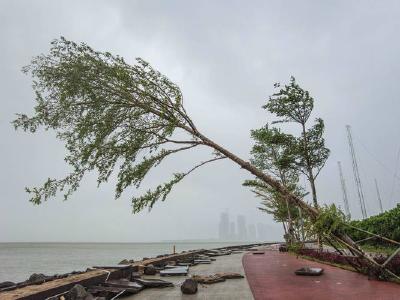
(225,56)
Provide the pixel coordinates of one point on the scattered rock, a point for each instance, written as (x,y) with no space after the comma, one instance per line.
(189,286)
(6,284)
(171,263)
(175,271)
(150,270)
(132,287)
(140,269)
(78,292)
(135,275)
(307,271)
(207,279)
(124,262)
(37,277)
(153,282)
(229,275)
(145,258)
(131,261)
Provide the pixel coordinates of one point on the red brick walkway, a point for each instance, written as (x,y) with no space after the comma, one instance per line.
(271,276)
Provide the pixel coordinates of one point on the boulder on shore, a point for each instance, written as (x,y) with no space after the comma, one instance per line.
(36,277)
(189,286)
(150,270)
(6,284)
(124,262)
(78,292)
(171,263)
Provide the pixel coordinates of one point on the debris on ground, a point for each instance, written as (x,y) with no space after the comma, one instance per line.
(307,271)
(207,279)
(130,276)
(177,271)
(150,270)
(78,292)
(229,275)
(189,286)
(153,283)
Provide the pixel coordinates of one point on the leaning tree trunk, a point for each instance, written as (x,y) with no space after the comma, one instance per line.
(313,212)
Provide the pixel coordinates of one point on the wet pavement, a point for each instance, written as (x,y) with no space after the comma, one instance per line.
(231,289)
(271,276)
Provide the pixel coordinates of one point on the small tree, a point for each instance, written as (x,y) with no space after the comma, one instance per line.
(271,153)
(295,105)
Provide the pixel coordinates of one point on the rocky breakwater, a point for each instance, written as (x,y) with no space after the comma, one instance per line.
(126,278)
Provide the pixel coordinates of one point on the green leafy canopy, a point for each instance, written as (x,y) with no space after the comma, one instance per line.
(111,116)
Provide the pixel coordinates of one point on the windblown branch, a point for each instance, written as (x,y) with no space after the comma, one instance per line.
(116,117)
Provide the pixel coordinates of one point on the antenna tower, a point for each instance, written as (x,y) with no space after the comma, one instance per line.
(356,172)
(379,195)
(344,190)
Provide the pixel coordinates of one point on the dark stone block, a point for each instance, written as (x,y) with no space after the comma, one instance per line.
(6,284)
(189,286)
(150,270)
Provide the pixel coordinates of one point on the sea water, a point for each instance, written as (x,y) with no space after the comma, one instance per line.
(19,260)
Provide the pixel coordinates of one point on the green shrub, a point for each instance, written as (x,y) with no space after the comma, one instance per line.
(386,224)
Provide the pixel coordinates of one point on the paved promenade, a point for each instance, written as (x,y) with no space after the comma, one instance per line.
(231,289)
(271,276)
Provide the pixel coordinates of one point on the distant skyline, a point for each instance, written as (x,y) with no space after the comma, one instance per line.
(230,229)
(225,56)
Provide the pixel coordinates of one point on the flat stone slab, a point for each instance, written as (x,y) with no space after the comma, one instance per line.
(124,283)
(115,267)
(208,279)
(307,271)
(177,271)
(151,283)
(202,261)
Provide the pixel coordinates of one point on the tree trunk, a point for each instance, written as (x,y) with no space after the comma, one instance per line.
(313,190)
(293,199)
(310,177)
(284,227)
(290,222)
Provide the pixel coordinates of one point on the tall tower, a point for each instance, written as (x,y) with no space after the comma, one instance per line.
(356,172)
(344,190)
(232,232)
(224,226)
(378,195)
(241,228)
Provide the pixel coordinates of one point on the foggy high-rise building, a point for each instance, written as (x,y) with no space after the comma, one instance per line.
(241,228)
(262,232)
(224,226)
(252,236)
(232,231)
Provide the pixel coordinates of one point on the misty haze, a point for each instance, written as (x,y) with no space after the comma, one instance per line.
(229,166)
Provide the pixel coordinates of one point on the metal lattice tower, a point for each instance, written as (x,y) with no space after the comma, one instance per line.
(378,194)
(344,190)
(356,172)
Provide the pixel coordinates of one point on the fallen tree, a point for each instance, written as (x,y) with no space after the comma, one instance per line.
(113,116)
